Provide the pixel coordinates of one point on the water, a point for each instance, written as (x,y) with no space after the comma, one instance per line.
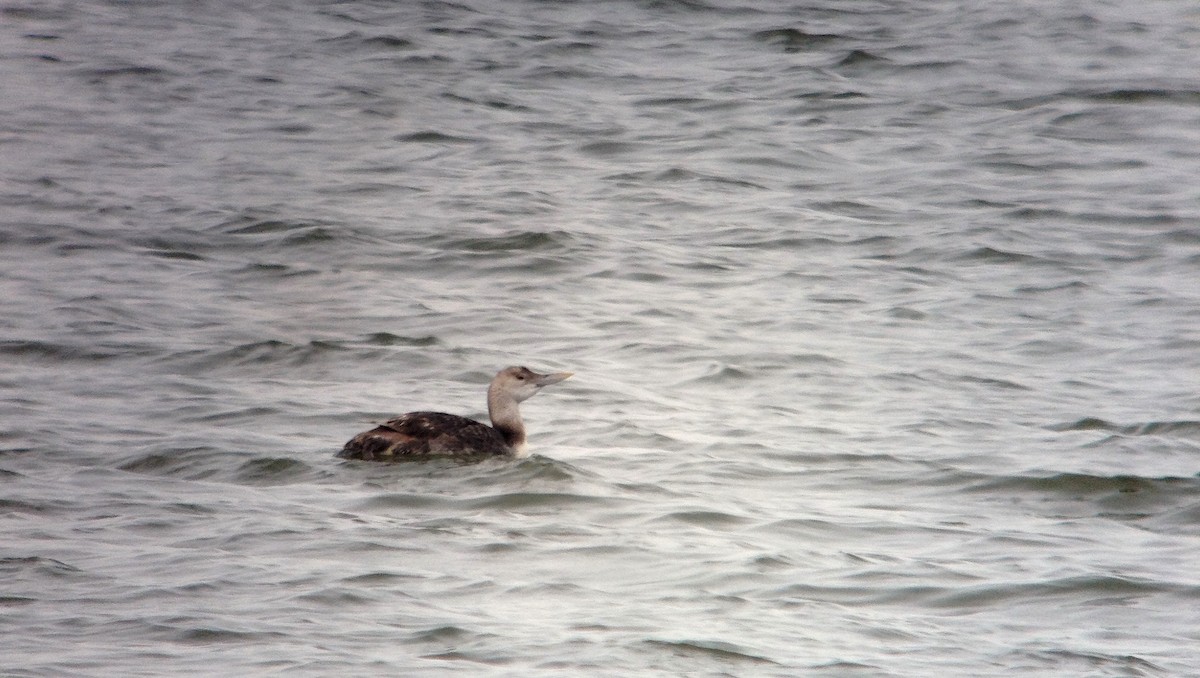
(885,318)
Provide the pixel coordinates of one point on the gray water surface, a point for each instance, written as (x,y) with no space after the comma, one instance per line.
(885,319)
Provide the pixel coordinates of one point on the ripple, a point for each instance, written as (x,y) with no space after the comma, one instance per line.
(859,58)
(1188,428)
(55,352)
(986,596)
(994,255)
(434,137)
(442,634)
(523,241)
(889,331)
(1112,491)
(679,174)
(792,40)
(219,636)
(276,471)
(251,226)
(379,579)
(194,463)
(516,501)
(389,339)
(1083,587)
(14,565)
(712,519)
(266,352)
(710,650)
(394,500)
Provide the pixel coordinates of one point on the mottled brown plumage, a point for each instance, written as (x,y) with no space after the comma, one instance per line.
(422,434)
(426,433)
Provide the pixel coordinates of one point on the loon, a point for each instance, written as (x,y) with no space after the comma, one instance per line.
(424,434)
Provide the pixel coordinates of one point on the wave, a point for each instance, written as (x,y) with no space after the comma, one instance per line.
(214,464)
(993,255)
(680,175)
(12,566)
(1083,485)
(434,137)
(276,352)
(275,471)
(519,241)
(356,40)
(709,650)
(985,596)
(857,58)
(37,351)
(1116,95)
(1165,505)
(525,501)
(793,40)
(1186,427)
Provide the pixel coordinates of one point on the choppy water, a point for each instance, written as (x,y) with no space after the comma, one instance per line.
(885,317)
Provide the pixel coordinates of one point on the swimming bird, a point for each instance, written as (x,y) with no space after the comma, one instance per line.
(424,434)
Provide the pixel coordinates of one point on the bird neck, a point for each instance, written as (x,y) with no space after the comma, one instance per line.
(506,419)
